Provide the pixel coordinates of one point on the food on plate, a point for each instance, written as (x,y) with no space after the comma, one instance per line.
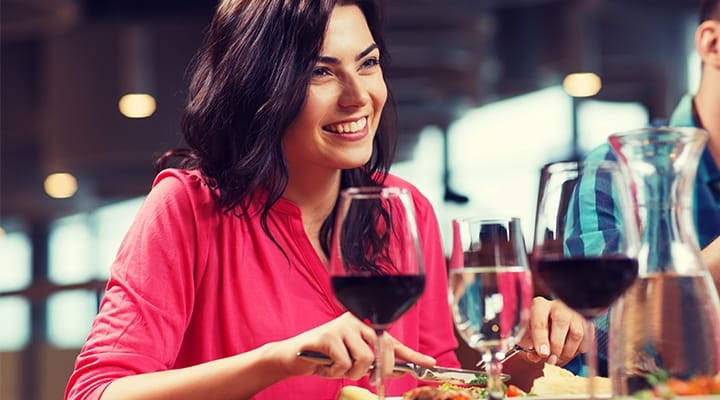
(559,381)
(698,385)
(514,391)
(444,392)
(449,391)
(355,393)
(667,387)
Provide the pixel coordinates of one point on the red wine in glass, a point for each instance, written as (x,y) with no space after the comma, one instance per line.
(588,285)
(378,300)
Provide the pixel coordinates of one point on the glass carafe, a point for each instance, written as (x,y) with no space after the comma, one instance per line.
(668,322)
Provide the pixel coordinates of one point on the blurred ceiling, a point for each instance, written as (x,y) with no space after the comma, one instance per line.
(64,64)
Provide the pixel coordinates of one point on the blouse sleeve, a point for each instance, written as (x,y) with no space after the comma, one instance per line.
(150,294)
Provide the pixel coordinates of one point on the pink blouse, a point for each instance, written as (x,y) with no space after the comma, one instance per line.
(192,284)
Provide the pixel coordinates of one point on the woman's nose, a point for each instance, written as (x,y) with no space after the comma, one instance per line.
(354,92)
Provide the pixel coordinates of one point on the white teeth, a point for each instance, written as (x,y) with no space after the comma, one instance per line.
(350,127)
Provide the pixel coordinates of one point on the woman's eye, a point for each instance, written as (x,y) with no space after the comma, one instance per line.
(320,72)
(371,62)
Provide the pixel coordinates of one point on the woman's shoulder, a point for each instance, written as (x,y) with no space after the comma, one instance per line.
(179,179)
(173,186)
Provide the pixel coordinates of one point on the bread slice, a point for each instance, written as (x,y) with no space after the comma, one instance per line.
(355,393)
(559,381)
(438,393)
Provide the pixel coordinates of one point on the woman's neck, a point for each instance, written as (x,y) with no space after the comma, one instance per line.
(314,192)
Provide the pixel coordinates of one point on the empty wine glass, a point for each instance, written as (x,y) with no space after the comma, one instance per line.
(490,290)
(585,265)
(376,265)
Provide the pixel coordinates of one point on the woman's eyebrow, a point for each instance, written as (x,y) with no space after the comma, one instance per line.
(333,60)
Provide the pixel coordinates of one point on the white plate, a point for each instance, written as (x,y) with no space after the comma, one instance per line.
(553,397)
(570,397)
(556,397)
(607,396)
(585,397)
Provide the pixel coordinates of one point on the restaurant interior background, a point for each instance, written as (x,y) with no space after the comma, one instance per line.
(481,102)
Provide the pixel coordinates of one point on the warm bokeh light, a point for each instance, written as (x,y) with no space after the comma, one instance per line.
(60,185)
(583,84)
(2,232)
(137,105)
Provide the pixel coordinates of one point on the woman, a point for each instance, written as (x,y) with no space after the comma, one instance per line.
(222,277)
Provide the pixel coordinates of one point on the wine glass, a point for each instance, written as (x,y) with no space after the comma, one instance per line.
(376,266)
(579,260)
(490,290)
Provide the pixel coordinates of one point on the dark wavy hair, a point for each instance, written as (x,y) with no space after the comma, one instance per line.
(249,83)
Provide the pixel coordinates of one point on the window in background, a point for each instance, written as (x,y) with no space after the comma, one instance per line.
(15,326)
(81,248)
(497,151)
(70,250)
(69,317)
(15,274)
(16,271)
(111,224)
(594,125)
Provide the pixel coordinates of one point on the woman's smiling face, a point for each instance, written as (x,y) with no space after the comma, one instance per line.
(338,121)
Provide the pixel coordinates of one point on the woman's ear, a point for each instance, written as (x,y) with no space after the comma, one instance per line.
(707,42)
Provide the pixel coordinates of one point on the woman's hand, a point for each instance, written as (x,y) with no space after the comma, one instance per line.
(349,343)
(555,331)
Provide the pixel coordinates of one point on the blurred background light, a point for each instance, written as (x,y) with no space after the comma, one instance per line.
(582,84)
(137,72)
(137,105)
(60,185)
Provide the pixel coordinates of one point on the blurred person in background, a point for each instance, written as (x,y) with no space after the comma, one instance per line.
(700,110)
(705,113)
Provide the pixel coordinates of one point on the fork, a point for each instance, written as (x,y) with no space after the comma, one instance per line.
(432,374)
(508,354)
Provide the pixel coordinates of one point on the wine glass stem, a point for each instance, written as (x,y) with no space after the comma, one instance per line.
(378,377)
(495,387)
(591,359)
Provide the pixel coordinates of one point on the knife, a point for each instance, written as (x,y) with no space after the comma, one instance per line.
(431,374)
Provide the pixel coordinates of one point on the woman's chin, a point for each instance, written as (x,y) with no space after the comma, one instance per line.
(351,162)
